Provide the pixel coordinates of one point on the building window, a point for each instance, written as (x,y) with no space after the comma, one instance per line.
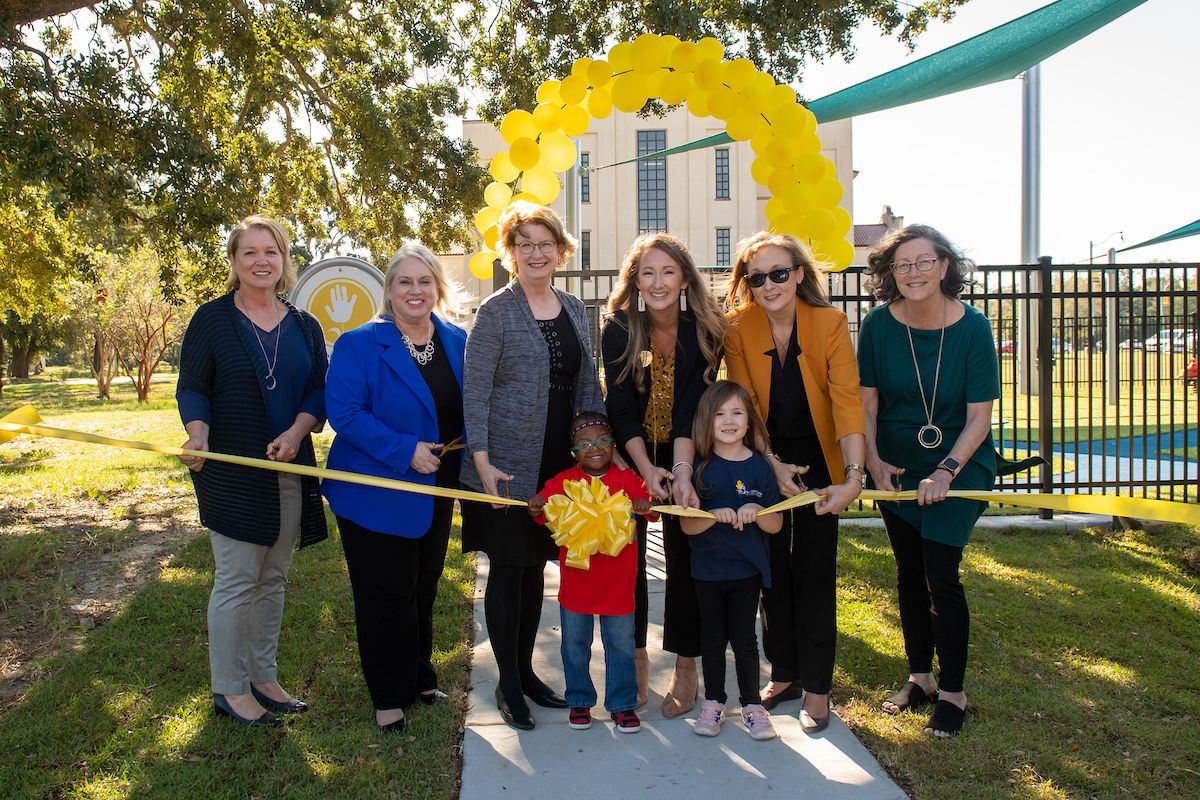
(652,182)
(585,249)
(722,247)
(722,173)
(585,178)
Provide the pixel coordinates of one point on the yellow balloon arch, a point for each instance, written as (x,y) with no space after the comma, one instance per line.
(782,133)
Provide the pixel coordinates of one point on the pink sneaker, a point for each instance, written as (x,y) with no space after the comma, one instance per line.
(758,722)
(709,721)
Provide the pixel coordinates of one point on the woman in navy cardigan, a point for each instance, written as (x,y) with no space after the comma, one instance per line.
(394,397)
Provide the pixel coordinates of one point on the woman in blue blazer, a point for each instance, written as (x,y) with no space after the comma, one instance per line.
(394,397)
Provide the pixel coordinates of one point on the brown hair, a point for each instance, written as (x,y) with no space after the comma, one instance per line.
(288,279)
(882,283)
(521,213)
(713,398)
(811,288)
(710,322)
(449,294)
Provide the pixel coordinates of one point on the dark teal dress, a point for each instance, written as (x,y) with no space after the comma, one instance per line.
(970,374)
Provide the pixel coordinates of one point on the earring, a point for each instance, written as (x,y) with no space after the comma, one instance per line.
(641,302)
(683,300)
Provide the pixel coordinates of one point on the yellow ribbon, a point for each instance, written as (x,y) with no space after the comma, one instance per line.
(587,519)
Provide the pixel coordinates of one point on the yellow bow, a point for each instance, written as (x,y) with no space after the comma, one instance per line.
(586,519)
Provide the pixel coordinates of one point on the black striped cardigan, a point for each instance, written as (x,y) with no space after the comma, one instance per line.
(215,360)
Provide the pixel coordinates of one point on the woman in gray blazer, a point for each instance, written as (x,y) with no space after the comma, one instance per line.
(528,371)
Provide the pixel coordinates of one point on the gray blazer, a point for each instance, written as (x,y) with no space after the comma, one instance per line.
(506,380)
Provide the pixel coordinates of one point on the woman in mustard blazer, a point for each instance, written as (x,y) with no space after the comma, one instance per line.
(792,352)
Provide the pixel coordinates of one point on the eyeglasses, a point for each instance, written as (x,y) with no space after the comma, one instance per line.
(545,248)
(905,267)
(588,445)
(781,275)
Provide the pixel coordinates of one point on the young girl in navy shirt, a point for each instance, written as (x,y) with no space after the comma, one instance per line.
(729,553)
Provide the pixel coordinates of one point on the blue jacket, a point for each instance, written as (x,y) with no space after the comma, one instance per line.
(380,407)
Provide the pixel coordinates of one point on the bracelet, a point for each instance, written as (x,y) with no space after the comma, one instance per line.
(769,454)
(679,464)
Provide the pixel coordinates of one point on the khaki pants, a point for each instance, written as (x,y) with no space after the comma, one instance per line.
(246,606)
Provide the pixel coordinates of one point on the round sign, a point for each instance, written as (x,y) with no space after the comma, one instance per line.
(341,292)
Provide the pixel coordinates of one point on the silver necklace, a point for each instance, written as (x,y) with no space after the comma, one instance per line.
(270,383)
(425,354)
(930,435)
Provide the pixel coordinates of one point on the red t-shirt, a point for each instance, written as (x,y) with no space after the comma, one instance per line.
(607,586)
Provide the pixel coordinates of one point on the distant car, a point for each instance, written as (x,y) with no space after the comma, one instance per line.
(1174,340)
(1005,346)
(1058,346)
(1130,344)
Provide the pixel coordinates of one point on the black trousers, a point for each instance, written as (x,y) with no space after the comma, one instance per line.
(727,612)
(681,611)
(394,581)
(800,608)
(512,606)
(933,604)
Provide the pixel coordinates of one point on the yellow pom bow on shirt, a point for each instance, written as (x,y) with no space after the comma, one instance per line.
(586,519)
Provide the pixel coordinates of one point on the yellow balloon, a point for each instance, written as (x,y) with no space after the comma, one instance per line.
(762,138)
(486,218)
(481,264)
(840,254)
(781,151)
(789,118)
(775,208)
(708,74)
(739,73)
(780,180)
(525,153)
(697,102)
(629,92)
(572,89)
(518,124)
(542,183)
(502,168)
(491,236)
(810,167)
(842,223)
(722,102)
(743,125)
(547,92)
(760,170)
(807,142)
(652,83)
(781,95)
(599,73)
(791,222)
(818,223)
(599,103)
(710,48)
(675,86)
(683,57)
(497,194)
(648,54)
(575,121)
(547,117)
(528,197)
(619,57)
(580,67)
(827,193)
(799,198)
(558,151)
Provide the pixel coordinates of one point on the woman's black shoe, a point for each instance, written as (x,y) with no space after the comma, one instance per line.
(547,698)
(792,692)
(223,709)
(432,696)
(399,726)
(292,706)
(521,723)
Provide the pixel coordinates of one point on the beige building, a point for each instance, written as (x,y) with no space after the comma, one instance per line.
(707,196)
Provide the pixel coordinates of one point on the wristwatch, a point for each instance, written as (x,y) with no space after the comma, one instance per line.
(862,474)
(950,465)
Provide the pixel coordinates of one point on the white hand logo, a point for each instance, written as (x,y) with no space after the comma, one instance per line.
(343,305)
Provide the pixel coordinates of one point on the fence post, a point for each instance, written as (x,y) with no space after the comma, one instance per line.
(1045,378)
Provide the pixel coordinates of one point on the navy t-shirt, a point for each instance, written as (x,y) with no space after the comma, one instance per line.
(723,552)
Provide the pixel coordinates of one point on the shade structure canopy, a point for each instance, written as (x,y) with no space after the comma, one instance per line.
(1191,229)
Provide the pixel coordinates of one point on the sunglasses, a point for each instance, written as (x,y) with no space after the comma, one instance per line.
(588,445)
(781,275)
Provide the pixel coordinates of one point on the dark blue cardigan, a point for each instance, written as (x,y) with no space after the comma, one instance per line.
(216,361)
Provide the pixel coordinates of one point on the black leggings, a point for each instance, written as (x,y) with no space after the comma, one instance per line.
(512,605)
(727,611)
(933,604)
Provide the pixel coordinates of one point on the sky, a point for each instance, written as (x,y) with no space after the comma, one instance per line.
(1120,126)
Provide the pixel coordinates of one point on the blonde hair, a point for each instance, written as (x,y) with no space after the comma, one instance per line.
(711,401)
(282,240)
(521,213)
(811,288)
(710,322)
(449,293)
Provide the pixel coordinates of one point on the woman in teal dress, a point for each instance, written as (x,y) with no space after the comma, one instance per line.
(928,370)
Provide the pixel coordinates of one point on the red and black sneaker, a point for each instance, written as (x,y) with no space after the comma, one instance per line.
(627,721)
(580,719)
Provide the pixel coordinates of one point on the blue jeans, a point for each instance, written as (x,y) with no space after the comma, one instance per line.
(620,680)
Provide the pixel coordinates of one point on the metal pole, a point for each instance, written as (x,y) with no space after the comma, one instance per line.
(572,217)
(1031,163)
(1112,386)
(1045,385)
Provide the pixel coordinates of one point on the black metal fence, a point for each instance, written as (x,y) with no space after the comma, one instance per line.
(1094,367)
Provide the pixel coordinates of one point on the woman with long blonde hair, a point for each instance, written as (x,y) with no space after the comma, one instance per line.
(661,344)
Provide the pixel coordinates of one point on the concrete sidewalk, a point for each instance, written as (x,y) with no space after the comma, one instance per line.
(665,759)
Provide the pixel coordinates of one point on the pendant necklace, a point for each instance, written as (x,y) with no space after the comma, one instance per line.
(929,436)
(270,383)
(425,354)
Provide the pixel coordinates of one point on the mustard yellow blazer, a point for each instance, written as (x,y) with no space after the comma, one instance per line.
(827,364)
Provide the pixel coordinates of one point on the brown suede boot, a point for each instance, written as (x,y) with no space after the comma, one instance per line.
(641,663)
(681,695)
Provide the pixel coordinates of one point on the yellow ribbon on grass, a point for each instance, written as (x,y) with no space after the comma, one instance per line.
(588,519)
(26,420)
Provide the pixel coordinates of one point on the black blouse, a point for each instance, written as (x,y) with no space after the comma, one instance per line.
(566,358)
(789,416)
(447,401)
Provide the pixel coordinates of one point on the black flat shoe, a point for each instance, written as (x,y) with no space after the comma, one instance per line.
(792,692)
(910,697)
(524,722)
(223,709)
(432,696)
(946,720)
(399,726)
(292,706)
(811,724)
(547,698)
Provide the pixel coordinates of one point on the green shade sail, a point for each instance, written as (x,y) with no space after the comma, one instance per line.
(996,55)
(1192,229)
